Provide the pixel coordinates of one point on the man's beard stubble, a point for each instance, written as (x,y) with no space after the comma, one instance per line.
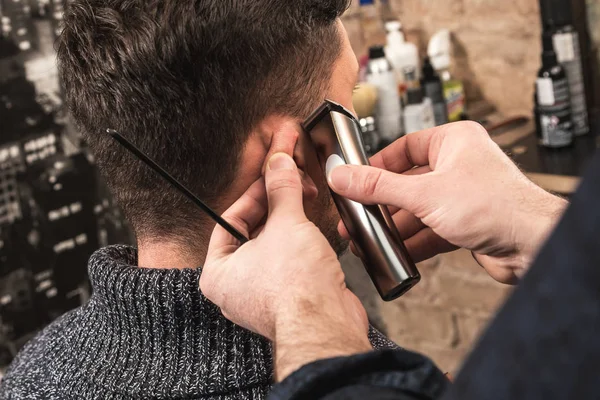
(326,217)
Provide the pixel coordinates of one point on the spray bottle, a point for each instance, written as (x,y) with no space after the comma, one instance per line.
(418,114)
(401,53)
(557,18)
(389,109)
(553,106)
(434,90)
(454,92)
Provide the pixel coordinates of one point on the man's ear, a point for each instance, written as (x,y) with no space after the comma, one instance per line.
(284,139)
(287,136)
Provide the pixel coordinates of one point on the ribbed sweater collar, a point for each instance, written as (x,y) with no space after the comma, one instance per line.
(151,333)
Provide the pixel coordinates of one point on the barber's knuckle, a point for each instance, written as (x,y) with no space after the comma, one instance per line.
(470,129)
(371,183)
(237,221)
(285,182)
(210,287)
(226,314)
(206,285)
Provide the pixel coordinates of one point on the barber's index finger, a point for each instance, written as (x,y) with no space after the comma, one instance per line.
(412,150)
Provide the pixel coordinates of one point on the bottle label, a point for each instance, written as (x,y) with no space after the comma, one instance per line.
(389,107)
(555,119)
(440,113)
(428,120)
(418,117)
(413,119)
(565,47)
(557,131)
(369,135)
(545,92)
(569,55)
(435,92)
(455,99)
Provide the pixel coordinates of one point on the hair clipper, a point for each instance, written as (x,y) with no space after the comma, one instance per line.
(337,138)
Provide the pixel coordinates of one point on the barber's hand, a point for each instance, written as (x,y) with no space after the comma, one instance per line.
(286,283)
(453,186)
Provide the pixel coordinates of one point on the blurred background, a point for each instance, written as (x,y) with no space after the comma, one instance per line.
(54,210)
(526,69)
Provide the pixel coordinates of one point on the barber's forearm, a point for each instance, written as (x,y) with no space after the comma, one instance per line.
(542,216)
(312,332)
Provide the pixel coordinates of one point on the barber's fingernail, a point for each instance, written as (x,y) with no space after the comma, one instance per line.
(281,161)
(340,178)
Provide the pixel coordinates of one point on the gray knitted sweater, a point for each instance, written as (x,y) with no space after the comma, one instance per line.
(144,334)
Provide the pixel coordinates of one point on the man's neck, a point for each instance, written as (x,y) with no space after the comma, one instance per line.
(168,255)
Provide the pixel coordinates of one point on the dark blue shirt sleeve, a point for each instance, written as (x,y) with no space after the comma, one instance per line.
(388,374)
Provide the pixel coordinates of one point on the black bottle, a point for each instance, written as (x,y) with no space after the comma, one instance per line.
(434,89)
(553,102)
(557,17)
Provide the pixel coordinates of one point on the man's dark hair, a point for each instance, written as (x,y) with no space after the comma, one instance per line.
(187,81)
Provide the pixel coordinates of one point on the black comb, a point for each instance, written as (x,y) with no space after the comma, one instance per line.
(176,184)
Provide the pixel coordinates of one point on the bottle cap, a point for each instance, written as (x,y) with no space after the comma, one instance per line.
(410,73)
(556,12)
(415,96)
(549,53)
(428,70)
(376,52)
(395,37)
(548,41)
(439,50)
(393,26)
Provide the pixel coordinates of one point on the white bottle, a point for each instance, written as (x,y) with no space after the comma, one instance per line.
(389,109)
(402,54)
(418,114)
(438,50)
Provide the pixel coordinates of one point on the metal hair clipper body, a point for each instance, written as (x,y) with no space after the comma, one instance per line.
(337,138)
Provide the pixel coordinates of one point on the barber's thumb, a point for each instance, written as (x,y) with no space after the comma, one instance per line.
(284,187)
(370,185)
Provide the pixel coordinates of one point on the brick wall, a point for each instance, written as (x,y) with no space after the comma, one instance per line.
(496,42)
(443,315)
